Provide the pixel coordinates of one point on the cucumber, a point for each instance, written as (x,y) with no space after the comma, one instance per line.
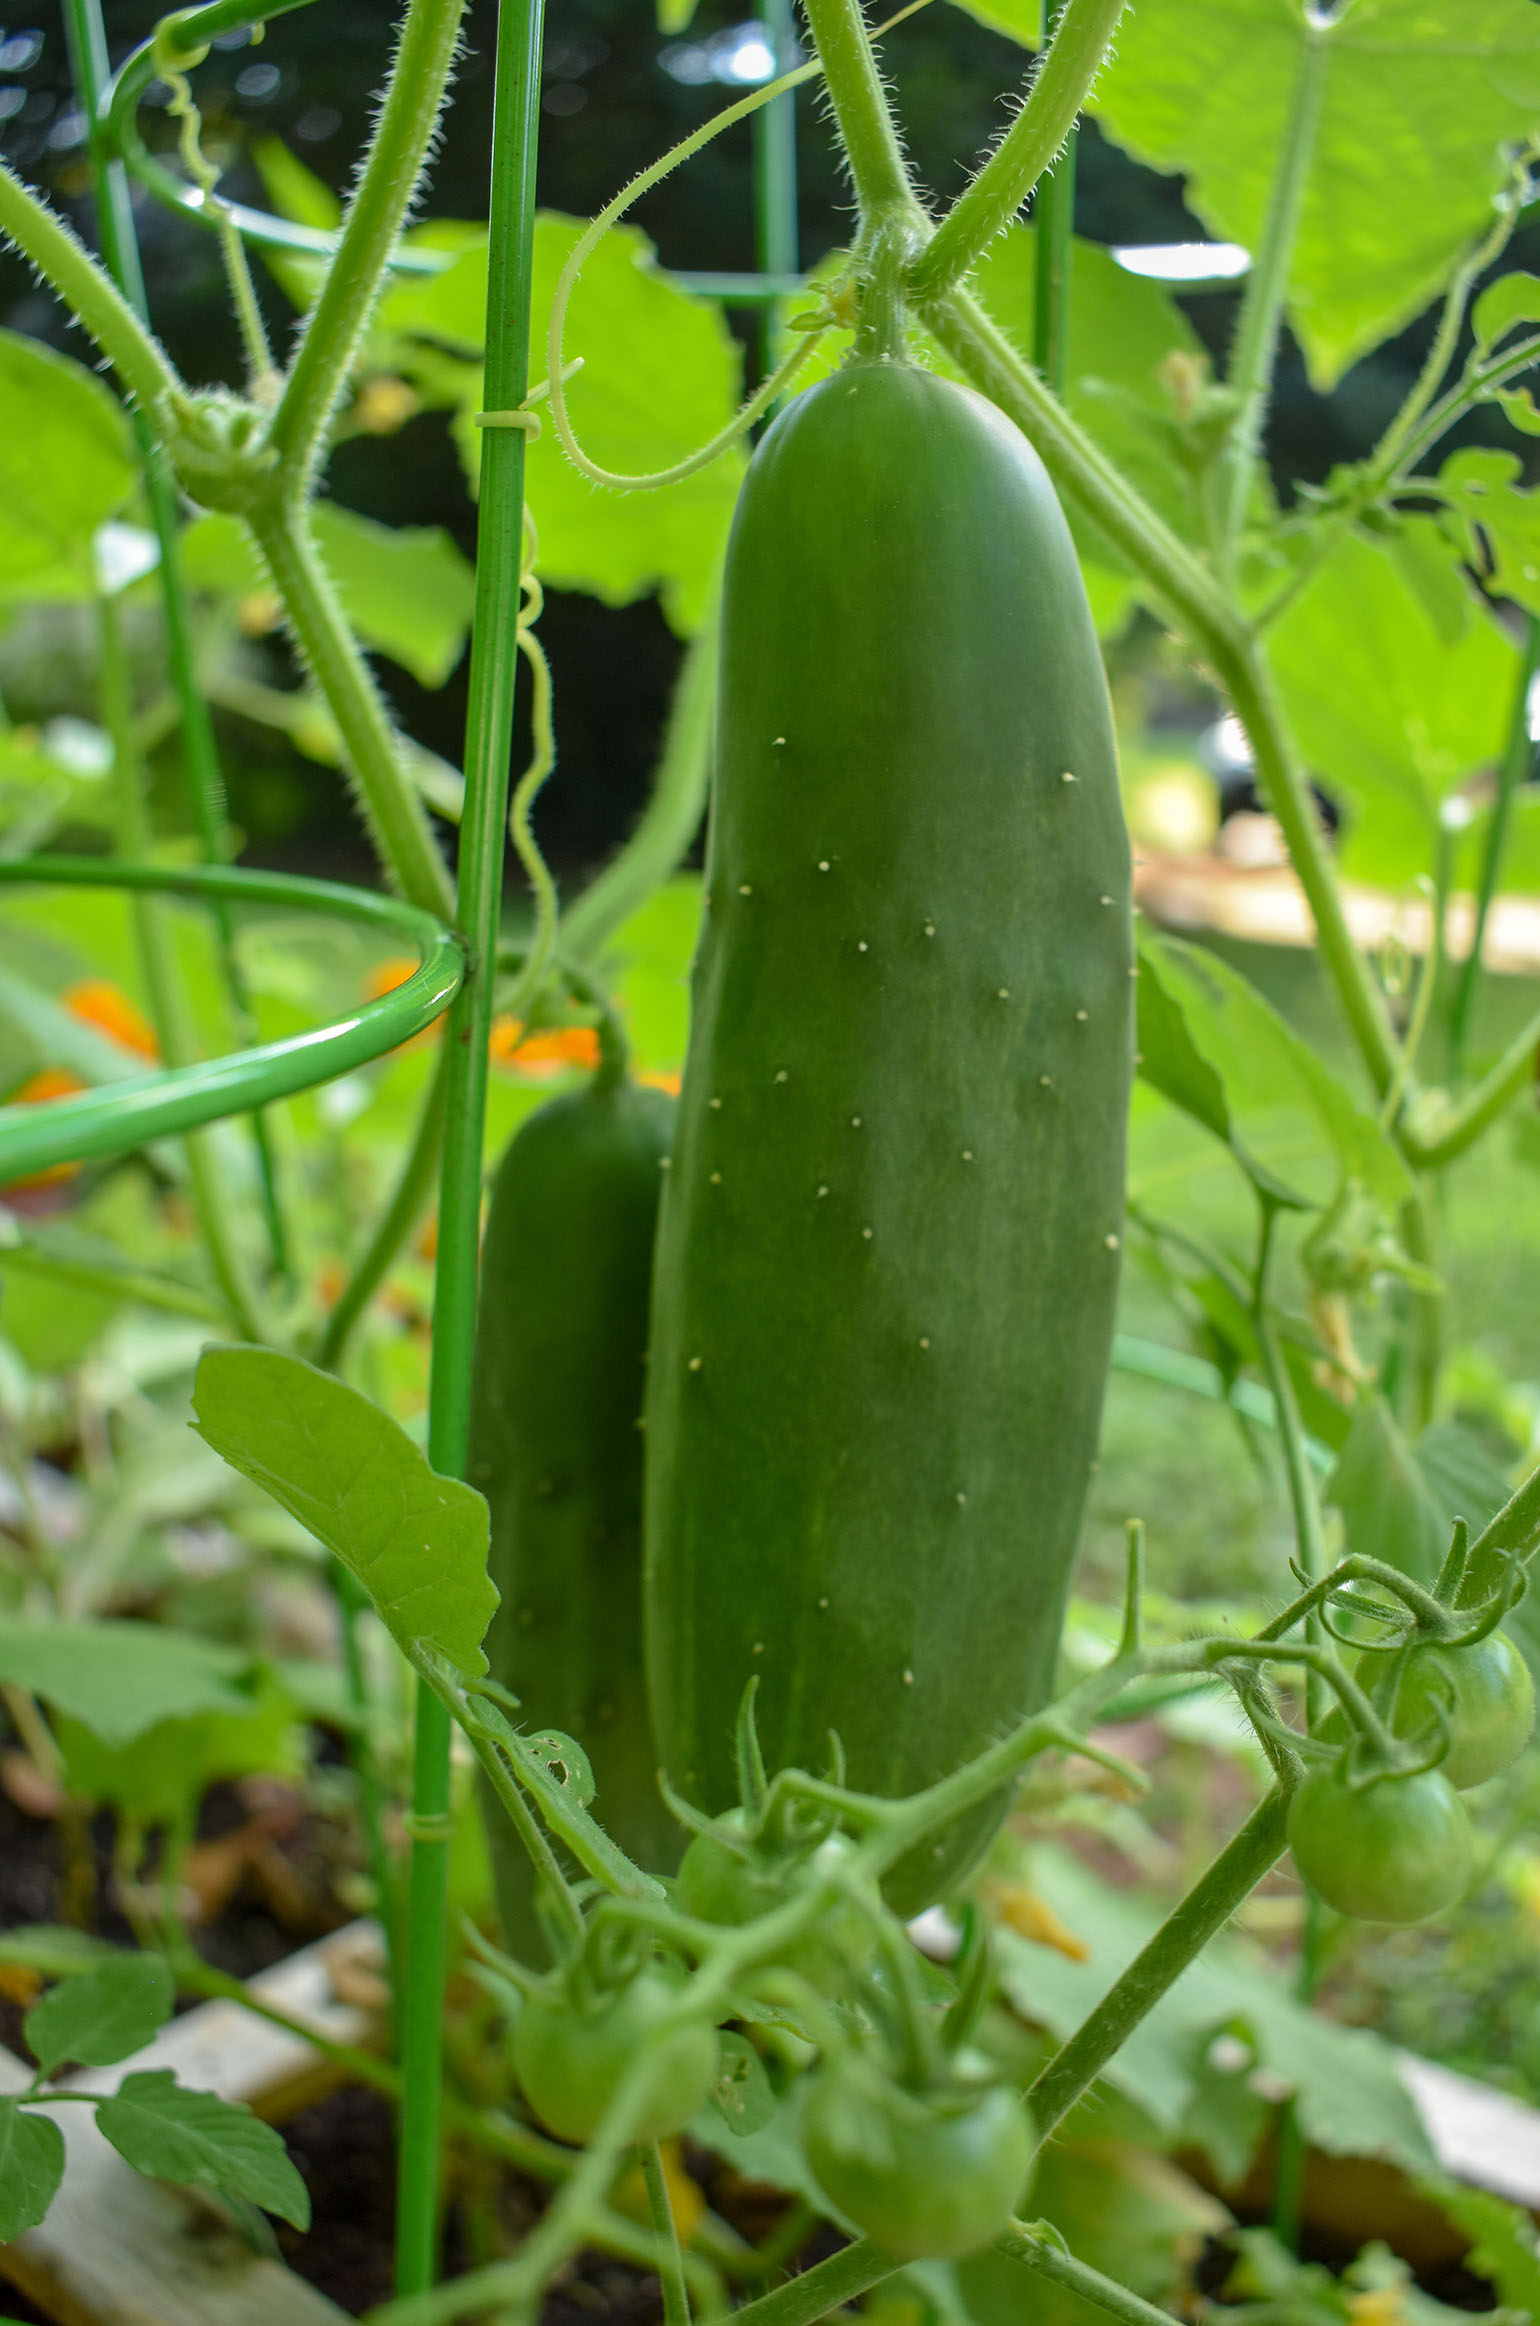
(556,1448)
(888,1253)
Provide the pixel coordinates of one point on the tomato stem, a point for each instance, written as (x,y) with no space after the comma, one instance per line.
(1183,1935)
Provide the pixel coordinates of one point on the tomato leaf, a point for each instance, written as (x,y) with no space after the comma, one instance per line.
(171,2134)
(31,2168)
(1345,2082)
(103,2015)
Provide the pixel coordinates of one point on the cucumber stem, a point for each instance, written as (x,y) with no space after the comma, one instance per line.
(1038,133)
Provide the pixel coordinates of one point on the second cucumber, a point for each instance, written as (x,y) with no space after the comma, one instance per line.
(556,1448)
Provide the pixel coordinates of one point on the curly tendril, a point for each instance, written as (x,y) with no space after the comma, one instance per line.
(812,328)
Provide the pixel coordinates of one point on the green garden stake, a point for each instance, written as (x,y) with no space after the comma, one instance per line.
(483,831)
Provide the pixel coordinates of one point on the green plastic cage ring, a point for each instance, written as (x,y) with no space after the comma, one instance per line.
(193,29)
(121,1115)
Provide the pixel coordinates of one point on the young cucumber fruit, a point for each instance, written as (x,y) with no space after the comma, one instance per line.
(888,1252)
(556,1448)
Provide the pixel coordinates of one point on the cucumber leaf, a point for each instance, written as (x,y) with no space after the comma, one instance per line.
(1211,1043)
(417,1542)
(1392,713)
(1431,94)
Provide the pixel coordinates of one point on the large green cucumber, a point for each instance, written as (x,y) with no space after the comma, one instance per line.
(888,1253)
(556,1448)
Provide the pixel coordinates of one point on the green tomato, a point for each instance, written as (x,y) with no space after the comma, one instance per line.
(1399,1850)
(924,2179)
(717,1883)
(569,2061)
(1488,1698)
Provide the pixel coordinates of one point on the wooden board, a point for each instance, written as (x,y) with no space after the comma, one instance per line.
(1266,905)
(118,2250)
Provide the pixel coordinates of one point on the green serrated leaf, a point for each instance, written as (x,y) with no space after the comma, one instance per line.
(31,2168)
(117,1678)
(662,374)
(1169,1059)
(171,2134)
(1482,488)
(1519,410)
(1345,2081)
(415,1541)
(1391,714)
(1279,1101)
(1418,105)
(406,589)
(65,467)
(103,2015)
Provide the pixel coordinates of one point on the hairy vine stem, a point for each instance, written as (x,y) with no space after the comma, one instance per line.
(94,299)
(398,151)
(986,207)
(386,794)
(1261,317)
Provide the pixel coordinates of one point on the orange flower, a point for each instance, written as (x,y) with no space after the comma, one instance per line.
(1022,1910)
(540,1057)
(97,1002)
(669,1081)
(330,1278)
(49,1082)
(386,975)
